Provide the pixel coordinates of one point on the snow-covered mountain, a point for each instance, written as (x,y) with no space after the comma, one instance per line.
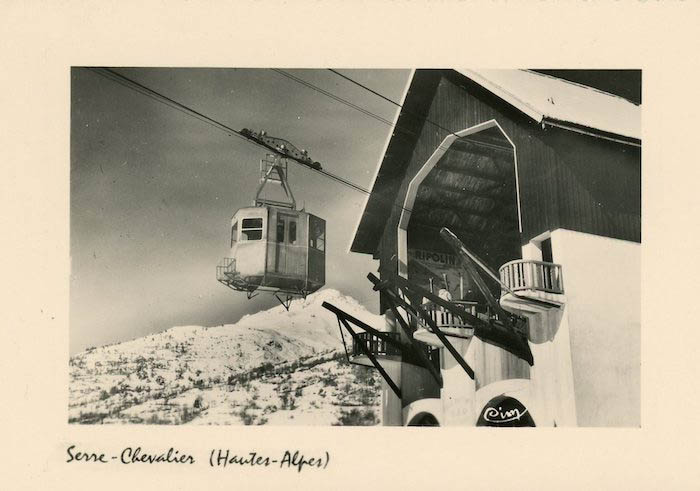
(274,367)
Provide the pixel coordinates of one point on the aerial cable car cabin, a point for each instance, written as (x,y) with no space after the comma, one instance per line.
(274,247)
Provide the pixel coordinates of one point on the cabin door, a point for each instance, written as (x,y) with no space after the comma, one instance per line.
(286,236)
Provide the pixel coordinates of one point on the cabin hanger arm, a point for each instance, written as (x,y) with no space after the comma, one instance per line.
(281,147)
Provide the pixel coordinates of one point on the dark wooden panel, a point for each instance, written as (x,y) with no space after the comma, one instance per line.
(461,104)
(392,171)
(566,180)
(600,183)
(417,383)
(317,258)
(317,266)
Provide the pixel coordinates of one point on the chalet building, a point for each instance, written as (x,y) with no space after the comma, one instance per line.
(540,179)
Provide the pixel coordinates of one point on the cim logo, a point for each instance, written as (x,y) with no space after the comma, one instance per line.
(504,411)
(493,415)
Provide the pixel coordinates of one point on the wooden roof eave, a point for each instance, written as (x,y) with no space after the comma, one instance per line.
(398,148)
(585,130)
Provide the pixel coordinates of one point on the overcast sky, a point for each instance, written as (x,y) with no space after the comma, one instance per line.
(153,190)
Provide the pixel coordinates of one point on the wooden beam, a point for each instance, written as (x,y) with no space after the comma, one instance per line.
(470,172)
(501,149)
(498,217)
(432,229)
(415,344)
(420,314)
(463,192)
(341,314)
(504,333)
(373,359)
(493,187)
(482,147)
(459,211)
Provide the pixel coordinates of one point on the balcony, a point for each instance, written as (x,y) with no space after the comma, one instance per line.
(447,322)
(226,265)
(533,286)
(377,347)
(444,318)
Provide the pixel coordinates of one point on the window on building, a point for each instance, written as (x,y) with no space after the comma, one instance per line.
(251,229)
(547,251)
(234,234)
(547,272)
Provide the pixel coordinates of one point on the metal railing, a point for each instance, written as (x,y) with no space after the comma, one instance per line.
(524,274)
(379,347)
(444,318)
(376,345)
(227,265)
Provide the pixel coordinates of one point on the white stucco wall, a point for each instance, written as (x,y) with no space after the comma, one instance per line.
(458,390)
(392,414)
(391,403)
(602,282)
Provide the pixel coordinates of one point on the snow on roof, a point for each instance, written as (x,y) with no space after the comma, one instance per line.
(543,97)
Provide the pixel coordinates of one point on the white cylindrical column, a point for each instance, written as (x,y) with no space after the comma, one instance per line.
(458,389)
(552,375)
(494,364)
(391,403)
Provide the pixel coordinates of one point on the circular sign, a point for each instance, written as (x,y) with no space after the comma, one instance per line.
(503,411)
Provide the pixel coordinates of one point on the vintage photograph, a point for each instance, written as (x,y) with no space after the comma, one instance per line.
(355,247)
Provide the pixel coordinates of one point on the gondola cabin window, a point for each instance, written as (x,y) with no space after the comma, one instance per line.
(251,229)
(234,234)
(289,223)
(280,229)
(317,235)
(293,232)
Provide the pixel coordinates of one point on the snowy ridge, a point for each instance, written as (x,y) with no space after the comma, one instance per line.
(206,374)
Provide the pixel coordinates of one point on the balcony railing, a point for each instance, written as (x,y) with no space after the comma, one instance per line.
(444,318)
(376,345)
(227,265)
(379,347)
(523,274)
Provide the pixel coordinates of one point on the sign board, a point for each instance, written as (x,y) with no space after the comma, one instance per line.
(439,259)
(440,268)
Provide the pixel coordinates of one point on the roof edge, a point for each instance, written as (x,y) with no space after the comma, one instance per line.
(571,82)
(503,94)
(541,118)
(594,132)
(389,136)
